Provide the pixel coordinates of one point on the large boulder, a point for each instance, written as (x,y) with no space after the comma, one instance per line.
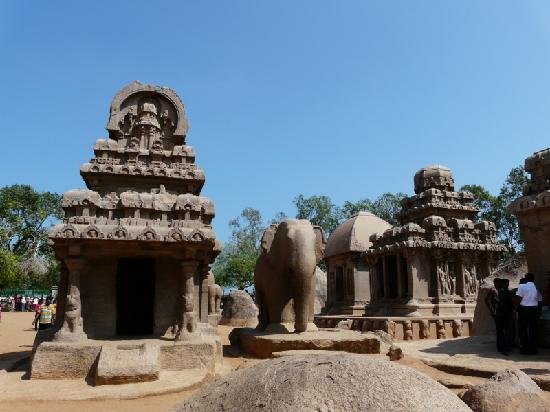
(508,391)
(239,310)
(325,382)
(320,291)
(512,269)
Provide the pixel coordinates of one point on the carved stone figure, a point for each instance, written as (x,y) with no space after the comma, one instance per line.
(440,329)
(444,280)
(390,327)
(424,329)
(407,330)
(284,274)
(457,328)
(215,294)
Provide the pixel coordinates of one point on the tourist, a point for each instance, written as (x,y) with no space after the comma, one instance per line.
(499,301)
(37,313)
(23,304)
(45,316)
(529,299)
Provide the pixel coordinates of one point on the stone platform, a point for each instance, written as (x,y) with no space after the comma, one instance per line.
(477,356)
(264,345)
(124,361)
(403,328)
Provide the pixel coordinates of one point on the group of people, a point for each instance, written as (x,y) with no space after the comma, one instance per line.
(504,303)
(44,310)
(44,314)
(19,303)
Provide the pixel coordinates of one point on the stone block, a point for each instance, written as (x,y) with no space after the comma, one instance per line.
(203,353)
(127,363)
(60,360)
(263,345)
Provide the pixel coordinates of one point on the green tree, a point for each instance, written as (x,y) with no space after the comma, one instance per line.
(385,206)
(25,217)
(235,265)
(319,210)
(494,208)
(10,275)
(487,204)
(511,190)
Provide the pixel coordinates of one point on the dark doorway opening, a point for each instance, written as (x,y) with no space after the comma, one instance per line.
(135,296)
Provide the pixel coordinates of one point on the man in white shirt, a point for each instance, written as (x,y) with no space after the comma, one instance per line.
(528,314)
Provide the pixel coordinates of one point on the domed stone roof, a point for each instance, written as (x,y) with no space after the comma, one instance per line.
(353,235)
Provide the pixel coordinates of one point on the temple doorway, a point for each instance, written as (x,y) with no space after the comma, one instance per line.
(135,296)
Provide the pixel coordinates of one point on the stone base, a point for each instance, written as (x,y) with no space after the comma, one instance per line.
(240,323)
(204,353)
(123,360)
(128,363)
(263,345)
(453,326)
(64,360)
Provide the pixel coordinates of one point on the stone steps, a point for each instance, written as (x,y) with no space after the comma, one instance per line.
(128,363)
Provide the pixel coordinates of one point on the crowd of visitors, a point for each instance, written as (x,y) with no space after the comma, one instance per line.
(44,309)
(19,303)
(504,304)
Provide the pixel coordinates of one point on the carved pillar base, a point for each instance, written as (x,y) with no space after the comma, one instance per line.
(187,326)
(72,329)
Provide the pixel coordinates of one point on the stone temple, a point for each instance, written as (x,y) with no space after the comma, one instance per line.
(135,249)
(533,214)
(419,279)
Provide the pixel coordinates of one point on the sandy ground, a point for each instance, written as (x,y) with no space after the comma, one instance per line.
(16,338)
(17,334)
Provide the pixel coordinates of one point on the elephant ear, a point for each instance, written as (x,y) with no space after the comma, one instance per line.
(320,242)
(267,237)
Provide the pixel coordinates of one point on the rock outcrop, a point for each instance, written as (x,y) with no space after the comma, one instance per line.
(512,269)
(320,291)
(239,310)
(323,382)
(508,391)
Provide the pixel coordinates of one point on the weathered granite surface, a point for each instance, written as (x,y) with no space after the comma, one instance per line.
(321,382)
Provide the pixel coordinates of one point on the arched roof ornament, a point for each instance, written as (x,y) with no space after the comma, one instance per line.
(126,104)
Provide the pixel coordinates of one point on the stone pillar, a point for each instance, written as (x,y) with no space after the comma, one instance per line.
(204,296)
(418,274)
(73,326)
(62,295)
(385,278)
(187,317)
(460,284)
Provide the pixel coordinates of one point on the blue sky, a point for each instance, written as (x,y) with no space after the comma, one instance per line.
(346,99)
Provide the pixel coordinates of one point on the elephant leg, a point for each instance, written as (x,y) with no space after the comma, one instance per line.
(263,318)
(300,313)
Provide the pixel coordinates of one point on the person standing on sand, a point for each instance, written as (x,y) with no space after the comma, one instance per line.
(529,305)
(37,313)
(499,302)
(45,316)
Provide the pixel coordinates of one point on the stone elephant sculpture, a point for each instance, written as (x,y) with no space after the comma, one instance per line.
(215,294)
(284,276)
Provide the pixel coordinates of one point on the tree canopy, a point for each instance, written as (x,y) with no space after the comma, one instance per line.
(26,259)
(494,207)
